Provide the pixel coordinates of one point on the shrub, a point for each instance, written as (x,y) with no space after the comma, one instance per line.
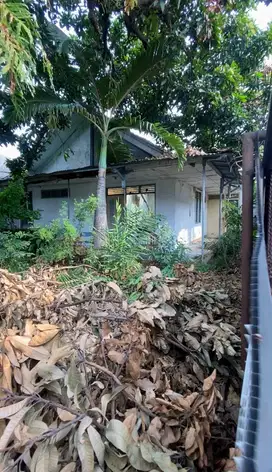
(127,242)
(226,251)
(56,240)
(166,251)
(15,254)
(84,210)
(14,205)
(137,237)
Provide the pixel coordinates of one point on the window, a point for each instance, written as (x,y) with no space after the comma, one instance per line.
(198,206)
(141,196)
(55,193)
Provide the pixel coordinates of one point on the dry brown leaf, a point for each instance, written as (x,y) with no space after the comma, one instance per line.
(155,428)
(29,328)
(43,336)
(116,356)
(209,381)
(65,415)
(10,353)
(168,437)
(115,287)
(190,440)
(47,327)
(5,372)
(21,344)
(134,364)
(130,420)
(145,384)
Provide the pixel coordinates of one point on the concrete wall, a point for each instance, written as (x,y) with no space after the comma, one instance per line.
(213,218)
(174,199)
(186,228)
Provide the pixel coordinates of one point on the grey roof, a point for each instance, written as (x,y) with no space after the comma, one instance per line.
(4,171)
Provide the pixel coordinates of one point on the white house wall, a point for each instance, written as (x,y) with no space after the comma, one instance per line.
(174,199)
(186,229)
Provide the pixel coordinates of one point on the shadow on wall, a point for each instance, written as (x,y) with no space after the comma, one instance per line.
(188,236)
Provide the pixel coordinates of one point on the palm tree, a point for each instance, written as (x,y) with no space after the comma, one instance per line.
(108,96)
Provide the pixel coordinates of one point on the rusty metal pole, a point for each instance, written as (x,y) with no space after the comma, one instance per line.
(247,222)
(247,225)
(203,210)
(220,206)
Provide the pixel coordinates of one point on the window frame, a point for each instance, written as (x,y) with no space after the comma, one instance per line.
(63,193)
(198,206)
(139,192)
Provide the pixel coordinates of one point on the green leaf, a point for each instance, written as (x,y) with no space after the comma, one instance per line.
(73,380)
(53,458)
(115,461)
(136,459)
(145,64)
(97,444)
(117,434)
(85,452)
(41,459)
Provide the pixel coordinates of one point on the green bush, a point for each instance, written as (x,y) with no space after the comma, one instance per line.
(59,242)
(136,238)
(15,254)
(84,210)
(226,251)
(166,251)
(14,205)
(127,242)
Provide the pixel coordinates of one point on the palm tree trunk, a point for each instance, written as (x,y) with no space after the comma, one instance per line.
(100,221)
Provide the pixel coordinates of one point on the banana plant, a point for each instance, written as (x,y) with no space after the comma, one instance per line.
(108,95)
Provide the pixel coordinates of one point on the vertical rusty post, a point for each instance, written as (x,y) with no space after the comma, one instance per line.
(247,224)
(203,210)
(220,206)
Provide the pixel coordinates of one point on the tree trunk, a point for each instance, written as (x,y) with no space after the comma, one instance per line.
(100,222)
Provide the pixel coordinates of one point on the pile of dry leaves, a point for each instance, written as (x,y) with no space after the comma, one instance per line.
(92,383)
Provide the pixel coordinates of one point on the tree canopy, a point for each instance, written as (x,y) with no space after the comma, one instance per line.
(214,90)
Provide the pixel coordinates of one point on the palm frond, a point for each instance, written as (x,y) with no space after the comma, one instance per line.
(144,65)
(171,140)
(51,105)
(118,151)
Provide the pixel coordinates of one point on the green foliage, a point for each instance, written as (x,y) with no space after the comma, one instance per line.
(14,205)
(15,252)
(57,240)
(137,238)
(84,210)
(166,251)
(126,243)
(19,41)
(226,251)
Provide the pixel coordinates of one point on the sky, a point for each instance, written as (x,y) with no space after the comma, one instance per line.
(262,16)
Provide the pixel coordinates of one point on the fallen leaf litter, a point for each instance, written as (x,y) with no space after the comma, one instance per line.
(92,383)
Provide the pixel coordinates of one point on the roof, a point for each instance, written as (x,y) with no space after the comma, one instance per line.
(223,161)
(4,171)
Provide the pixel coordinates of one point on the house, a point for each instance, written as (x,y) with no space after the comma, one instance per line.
(189,198)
